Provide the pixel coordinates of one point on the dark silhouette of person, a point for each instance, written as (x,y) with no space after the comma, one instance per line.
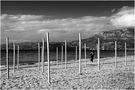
(92,55)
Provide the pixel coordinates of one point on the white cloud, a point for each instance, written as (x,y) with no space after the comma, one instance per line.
(30,17)
(34,26)
(124,18)
(39,23)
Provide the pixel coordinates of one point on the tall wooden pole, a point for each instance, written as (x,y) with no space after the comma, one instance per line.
(18,57)
(98,54)
(38,56)
(65,54)
(61,53)
(48,59)
(79,53)
(7,61)
(57,55)
(97,49)
(43,55)
(76,53)
(13,57)
(115,54)
(85,53)
(125,53)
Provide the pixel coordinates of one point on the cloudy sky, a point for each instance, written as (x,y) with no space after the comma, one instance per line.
(28,21)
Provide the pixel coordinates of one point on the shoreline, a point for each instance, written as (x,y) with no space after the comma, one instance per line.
(25,65)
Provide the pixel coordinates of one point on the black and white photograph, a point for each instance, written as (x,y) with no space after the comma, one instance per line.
(67,45)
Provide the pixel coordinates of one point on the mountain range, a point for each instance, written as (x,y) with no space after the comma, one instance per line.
(107,39)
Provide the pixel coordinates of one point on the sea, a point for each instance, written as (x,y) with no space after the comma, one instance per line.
(31,57)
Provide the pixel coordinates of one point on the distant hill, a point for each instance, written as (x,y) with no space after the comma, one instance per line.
(107,39)
(31,45)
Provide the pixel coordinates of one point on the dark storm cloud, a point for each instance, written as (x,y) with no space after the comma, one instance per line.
(22,22)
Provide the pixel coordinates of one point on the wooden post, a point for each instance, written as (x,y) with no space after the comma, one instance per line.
(38,56)
(18,57)
(57,55)
(65,54)
(97,49)
(115,54)
(13,57)
(125,53)
(79,53)
(61,53)
(7,61)
(98,54)
(43,55)
(85,53)
(48,59)
(76,53)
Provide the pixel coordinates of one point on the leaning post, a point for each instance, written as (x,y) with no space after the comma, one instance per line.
(13,57)
(57,55)
(98,54)
(7,58)
(115,54)
(125,53)
(48,59)
(79,53)
(61,53)
(38,56)
(65,54)
(85,53)
(18,54)
(76,53)
(43,55)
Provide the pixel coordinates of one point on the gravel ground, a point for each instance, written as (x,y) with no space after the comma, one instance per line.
(107,78)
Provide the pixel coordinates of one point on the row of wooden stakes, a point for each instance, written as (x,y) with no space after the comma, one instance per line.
(48,59)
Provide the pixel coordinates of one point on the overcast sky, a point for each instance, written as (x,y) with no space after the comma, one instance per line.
(29,20)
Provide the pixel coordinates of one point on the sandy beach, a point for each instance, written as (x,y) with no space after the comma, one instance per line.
(108,77)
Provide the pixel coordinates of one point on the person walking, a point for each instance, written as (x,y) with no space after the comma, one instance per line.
(91,56)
